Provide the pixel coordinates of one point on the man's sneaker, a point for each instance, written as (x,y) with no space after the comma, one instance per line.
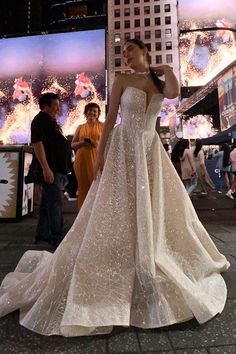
(229,194)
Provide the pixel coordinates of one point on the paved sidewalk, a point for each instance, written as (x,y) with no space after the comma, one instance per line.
(218,336)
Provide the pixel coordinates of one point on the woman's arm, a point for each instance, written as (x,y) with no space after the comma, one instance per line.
(202,162)
(191,161)
(76,143)
(110,121)
(171,85)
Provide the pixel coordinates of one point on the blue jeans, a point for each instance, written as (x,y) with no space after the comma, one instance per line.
(50,223)
(190,185)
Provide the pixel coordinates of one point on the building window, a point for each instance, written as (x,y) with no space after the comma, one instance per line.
(117,62)
(146,0)
(147,34)
(146,10)
(117,2)
(117,49)
(158,59)
(157,21)
(126,2)
(169,58)
(167,7)
(117,73)
(127,12)
(167,20)
(149,47)
(137,23)
(157,9)
(168,33)
(157,33)
(117,13)
(137,35)
(168,45)
(127,24)
(117,24)
(147,22)
(137,10)
(158,45)
(136,1)
(127,35)
(117,38)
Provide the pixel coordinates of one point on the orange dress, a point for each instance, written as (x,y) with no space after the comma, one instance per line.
(84,160)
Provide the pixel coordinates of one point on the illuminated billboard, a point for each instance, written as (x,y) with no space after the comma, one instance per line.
(203,54)
(193,14)
(70,64)
(198,127)
(227,98)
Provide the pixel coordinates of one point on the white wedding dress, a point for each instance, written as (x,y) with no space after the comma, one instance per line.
(136,255)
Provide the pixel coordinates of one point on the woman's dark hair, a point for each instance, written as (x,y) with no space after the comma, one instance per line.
(184,144)
(159,84)
(198,146)
(92,105)
(225,147)
(46,99)
(234,145)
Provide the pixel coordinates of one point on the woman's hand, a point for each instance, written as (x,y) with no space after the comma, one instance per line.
(161,69)
(94,143)
(98,167)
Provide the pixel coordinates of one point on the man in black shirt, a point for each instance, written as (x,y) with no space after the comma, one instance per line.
(53,157)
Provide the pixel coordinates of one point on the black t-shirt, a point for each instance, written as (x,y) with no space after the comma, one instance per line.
(56,146)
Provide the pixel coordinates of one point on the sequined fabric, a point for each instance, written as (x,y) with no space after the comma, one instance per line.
(136,254)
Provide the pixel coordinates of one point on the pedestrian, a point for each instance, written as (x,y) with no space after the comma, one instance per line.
(232,159)
(204,182)
(188,166)
(175,159)
(52,157)
(223,163)
(84,143)
(137,254)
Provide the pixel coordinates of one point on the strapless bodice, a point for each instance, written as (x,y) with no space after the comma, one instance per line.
(137,113)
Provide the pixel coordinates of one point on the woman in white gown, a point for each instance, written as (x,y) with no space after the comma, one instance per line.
(136,255)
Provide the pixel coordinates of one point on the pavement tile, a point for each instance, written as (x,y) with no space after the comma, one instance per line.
(191,351)
(221,330)
(231,349)
(25,341)
(153,341)
(124,342)
(230,279)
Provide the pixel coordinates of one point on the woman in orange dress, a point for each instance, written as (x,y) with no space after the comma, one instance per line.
(85,143)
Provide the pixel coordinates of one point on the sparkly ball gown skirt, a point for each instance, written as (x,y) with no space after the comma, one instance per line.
(136,255)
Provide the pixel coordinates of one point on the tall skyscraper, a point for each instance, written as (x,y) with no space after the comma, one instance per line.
(155,22)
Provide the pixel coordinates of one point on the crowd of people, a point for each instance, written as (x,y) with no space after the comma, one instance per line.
(190,164)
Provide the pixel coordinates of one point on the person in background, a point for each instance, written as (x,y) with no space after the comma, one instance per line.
(223,163)
(175,157)
(232,159)
(188,166)
(204,181)
(52,156)
(167,148)
(84,143)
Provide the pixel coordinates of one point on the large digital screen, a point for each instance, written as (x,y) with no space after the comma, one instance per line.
(203,54)
(198,127)
(227,98)
(70,64)
(194,14)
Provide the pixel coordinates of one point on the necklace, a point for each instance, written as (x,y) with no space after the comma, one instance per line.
(142,72)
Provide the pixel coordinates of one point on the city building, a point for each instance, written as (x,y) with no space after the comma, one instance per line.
(155,22)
